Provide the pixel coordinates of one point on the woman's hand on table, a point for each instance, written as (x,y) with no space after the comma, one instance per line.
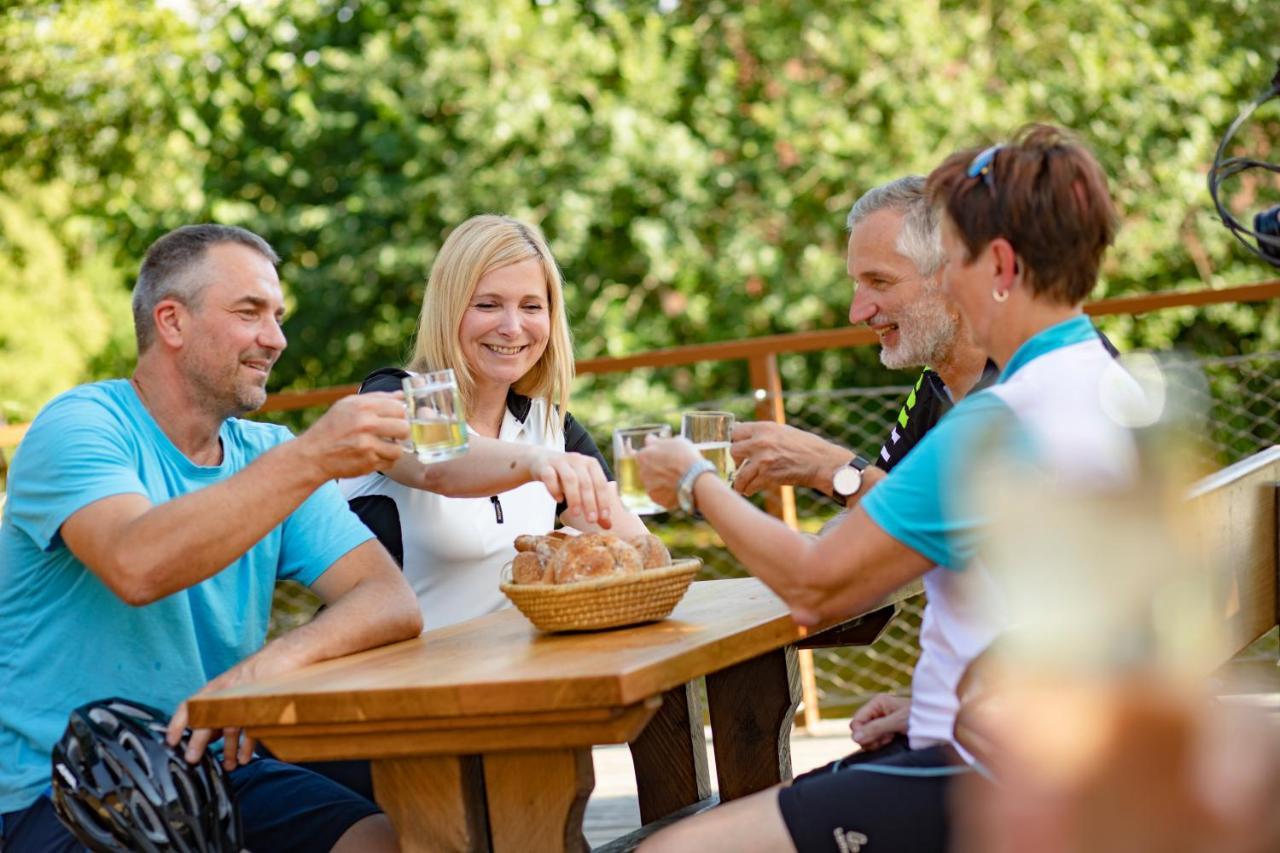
(662,463)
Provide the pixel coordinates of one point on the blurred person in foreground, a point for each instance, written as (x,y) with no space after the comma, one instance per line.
(494,313)
(1024,228)
(1112,763)
(148,522)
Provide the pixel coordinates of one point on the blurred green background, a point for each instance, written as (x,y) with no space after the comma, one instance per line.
(691,163)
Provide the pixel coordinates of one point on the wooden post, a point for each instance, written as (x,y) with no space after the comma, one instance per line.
(752,706)
(670,756)
(537,799)
(781,502)
(453,787)
(767,384)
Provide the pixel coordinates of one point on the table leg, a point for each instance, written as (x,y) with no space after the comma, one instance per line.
(752,705)
(670,756)
(537,799)
(436,803)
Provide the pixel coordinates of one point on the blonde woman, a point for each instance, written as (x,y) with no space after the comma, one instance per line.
(493,312)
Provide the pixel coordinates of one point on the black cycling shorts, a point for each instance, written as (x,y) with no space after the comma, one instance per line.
(892,799)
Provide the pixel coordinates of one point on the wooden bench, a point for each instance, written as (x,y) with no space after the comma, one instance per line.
(1240,503)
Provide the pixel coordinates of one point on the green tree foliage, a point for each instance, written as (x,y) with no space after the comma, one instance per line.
(691,163)
(61,302)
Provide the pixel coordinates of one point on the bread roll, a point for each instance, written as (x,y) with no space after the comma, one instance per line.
(529,567)
(653,554)
(594,555)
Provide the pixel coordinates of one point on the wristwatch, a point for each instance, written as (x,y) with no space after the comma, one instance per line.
(684,491)
(847,480)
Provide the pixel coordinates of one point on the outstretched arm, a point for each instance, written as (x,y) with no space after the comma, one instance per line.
(144,551)
(492,466)
(840,573)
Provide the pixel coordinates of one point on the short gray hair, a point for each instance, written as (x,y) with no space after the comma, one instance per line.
(920,240)
(166,269)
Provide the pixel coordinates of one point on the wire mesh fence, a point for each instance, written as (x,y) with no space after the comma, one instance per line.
(1238,396)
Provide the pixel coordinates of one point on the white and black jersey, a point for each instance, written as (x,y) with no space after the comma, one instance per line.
(928,401)
(452,550)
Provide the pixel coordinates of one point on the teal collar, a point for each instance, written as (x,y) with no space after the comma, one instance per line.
(1076,330)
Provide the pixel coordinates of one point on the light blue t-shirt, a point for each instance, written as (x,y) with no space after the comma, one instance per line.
(65,638)
(917,504)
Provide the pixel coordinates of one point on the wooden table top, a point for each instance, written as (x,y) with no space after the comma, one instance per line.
(500,664)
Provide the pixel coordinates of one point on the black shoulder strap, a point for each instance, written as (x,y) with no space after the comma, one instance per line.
(381,515)
(384,379)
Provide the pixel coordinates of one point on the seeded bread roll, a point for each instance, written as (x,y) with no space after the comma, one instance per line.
(653,554)
(594,555)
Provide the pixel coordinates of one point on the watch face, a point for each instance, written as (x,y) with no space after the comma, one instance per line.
(847,481)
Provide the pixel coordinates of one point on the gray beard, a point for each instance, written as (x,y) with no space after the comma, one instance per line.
(926,331)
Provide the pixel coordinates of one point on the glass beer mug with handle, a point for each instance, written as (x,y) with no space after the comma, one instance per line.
(437,424)
(626,443)
(711,433)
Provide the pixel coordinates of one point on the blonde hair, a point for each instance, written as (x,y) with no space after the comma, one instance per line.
(477,247)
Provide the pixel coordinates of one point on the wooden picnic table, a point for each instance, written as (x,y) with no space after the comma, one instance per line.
(480,733)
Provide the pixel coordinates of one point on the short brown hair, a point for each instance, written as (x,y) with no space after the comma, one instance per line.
(167,266)
(1046,195)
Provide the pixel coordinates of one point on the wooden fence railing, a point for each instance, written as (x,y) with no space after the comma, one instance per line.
(758,352)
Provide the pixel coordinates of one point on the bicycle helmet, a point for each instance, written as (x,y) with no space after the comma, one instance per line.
(118,786)
(1266,224)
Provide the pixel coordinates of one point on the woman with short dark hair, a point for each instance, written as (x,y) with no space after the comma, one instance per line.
(1025,225)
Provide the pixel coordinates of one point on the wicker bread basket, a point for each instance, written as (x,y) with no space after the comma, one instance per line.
(604,602)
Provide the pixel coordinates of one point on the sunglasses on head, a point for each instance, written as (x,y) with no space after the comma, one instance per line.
(983,166)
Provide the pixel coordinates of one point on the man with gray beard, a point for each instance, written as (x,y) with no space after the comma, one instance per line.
(895,256)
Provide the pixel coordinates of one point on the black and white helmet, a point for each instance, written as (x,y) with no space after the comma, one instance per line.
(117,785)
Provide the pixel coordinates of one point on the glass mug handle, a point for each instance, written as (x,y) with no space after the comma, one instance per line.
(407,385)
(406,444)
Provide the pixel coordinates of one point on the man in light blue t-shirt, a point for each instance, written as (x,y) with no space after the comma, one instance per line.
(147,524)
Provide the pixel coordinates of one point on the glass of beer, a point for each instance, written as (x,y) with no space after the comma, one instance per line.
(437,425)
(711,433)
(626,443)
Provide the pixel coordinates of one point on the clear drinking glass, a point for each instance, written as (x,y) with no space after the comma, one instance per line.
(438,426)
(711,433)
(626,443)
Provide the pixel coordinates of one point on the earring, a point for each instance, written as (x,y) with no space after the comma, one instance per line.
(1000,295)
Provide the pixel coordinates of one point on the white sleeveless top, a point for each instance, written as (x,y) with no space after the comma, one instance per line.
(455,548)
